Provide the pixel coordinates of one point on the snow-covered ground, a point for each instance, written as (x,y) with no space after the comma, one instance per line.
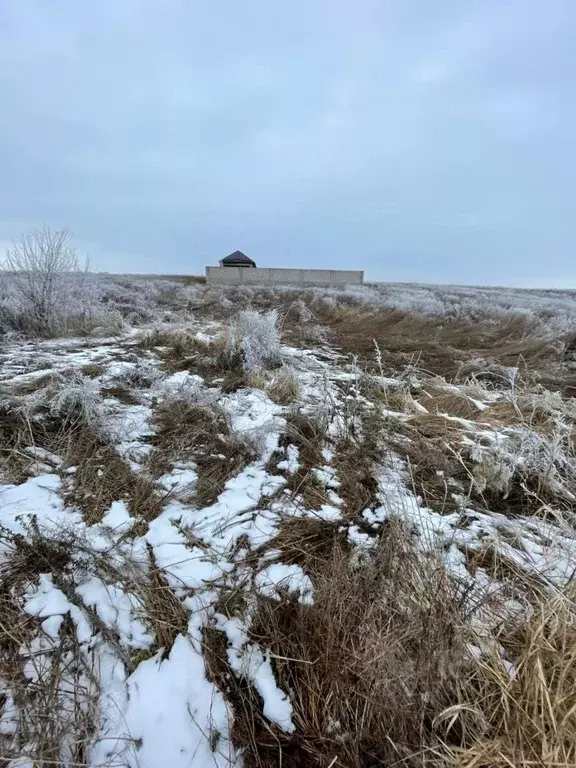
(118,696)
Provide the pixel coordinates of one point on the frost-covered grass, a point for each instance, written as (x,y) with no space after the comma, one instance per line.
(96,304)
(260,527)
(253,336)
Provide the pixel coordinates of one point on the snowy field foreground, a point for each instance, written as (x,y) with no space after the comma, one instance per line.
(249,527)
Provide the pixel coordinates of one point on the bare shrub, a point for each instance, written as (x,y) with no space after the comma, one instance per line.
(42,259)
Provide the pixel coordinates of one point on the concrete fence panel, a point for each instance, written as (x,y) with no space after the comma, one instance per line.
(271,276)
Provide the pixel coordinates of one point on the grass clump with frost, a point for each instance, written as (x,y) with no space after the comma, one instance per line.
(253,337)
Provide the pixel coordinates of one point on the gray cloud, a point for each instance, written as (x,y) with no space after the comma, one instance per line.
(423,141)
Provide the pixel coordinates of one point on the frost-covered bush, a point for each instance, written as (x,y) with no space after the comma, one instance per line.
(253,336)
(40,263)
(12,318)
(131,299)
(301,311)
(187,388)
(541,462)
(548,310)
(78,401)
(142,374)
(79,310)
(92,304)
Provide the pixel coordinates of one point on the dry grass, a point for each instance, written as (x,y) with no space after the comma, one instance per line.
(182,351)
(202,434)
(56,705)
(392,398)
(16,433)
(251,734)
(368,666)
(357,457)
(379,672)
(430,425)
(308,434)
(437,399)
(92,370)
(299,325)
(38,382)
(430,446)
(378,669)
(308,541)
(284,388)
(539,410)
(123,394)
(102,477)
(161,608)
(526,717)
(438,347)
(58,709)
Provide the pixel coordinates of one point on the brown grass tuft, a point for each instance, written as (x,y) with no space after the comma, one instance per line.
(524,411)
(308,434)
(251,733)
(56,706)
(284,388)
(525,715)
(123,394)
(181,350)
(379,672)
(438,400)
(18,431)
(430,446)
(198,433)
(162,609)
(38,382)
(102,477)
(92,370)
(368,666)
(356,459)
(308,541)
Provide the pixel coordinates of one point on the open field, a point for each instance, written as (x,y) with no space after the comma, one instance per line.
(243,527)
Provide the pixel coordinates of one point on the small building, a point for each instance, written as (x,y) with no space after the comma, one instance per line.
(237,259)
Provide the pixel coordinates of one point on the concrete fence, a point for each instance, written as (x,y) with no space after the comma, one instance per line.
(272,276)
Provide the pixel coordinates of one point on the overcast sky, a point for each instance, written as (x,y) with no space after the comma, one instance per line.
(420,140)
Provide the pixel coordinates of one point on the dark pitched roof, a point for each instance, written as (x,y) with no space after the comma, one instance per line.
(237,258)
